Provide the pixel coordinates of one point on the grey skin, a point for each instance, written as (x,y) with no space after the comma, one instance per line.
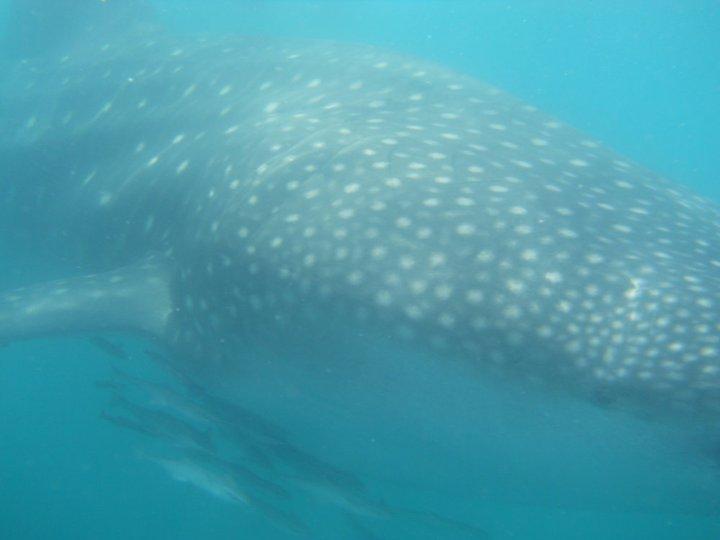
(366,247)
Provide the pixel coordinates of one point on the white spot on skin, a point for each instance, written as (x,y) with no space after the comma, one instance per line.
(271,107)
(447,320)
(378,252)
(418,286)
(578,163)
(424,233)
(413,312)
(225,90)
(474,296)
(437,259)
(465,229)
(485,256)
(407,262)
(182,167)
(567,233)
(622,228)
(522,164)
(553,277)
(515,286)
(383,298)
(529,255)
(443,292)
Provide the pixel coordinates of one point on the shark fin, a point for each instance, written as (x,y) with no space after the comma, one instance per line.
(133,298)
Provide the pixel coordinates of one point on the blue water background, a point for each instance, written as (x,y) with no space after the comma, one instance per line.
(643,77)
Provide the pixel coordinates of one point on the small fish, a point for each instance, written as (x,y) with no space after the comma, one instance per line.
(209,480)
(220,479)
(164,424)
(307,467)
(346,498)
(109,348)
(279,518)
(168,399)
(242,474)
(359,504)
(127,423)
(429,519)
(236,417)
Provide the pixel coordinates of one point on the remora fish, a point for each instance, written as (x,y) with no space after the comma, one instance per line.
(222,479)
(166,425)
(214,482)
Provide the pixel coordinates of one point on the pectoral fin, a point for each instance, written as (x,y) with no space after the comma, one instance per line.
(132,298)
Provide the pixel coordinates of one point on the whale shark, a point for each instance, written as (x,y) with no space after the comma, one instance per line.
(330,231)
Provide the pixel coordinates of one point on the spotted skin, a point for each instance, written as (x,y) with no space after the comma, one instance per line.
(291,184)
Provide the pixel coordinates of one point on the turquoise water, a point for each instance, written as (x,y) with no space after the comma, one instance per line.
(644,80)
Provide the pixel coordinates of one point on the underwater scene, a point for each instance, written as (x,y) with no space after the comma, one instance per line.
(363,269)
